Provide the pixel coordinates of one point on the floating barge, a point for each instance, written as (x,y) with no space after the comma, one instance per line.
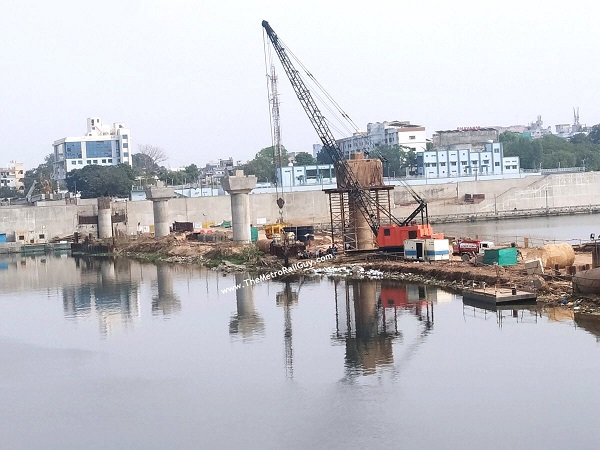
(499,296)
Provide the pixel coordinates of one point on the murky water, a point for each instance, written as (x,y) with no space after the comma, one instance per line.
(103,354)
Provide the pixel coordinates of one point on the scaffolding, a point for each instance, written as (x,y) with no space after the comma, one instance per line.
(343,216)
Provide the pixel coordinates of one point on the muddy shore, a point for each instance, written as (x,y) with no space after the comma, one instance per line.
(455,274)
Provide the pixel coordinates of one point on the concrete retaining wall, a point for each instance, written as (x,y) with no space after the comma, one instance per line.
(311,207)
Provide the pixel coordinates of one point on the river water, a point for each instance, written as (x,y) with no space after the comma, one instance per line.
(117,354)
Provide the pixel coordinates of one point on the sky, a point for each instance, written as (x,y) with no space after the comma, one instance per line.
(190,76)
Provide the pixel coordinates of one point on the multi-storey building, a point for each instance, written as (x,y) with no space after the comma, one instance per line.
(403,134)
(102,144)
(12,176)
(457,162)
(215,170)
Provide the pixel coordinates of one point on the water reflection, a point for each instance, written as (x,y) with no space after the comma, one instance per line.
(106,289)
(246,322)
(589,322)
(516,313)
(165,301)
(286,299)
(368,324)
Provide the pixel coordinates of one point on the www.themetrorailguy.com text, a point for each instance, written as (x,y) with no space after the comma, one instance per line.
(300,265)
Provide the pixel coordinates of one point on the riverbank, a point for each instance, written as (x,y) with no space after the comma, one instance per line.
(453,274)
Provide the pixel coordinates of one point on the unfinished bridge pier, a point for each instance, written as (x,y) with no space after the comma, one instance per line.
(160,196)
(105,230)
(239,186)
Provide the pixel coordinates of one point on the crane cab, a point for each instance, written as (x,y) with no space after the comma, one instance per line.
(391,237)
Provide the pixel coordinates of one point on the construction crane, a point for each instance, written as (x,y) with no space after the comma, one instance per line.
(391,235)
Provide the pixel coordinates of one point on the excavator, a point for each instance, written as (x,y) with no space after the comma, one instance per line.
(391,235)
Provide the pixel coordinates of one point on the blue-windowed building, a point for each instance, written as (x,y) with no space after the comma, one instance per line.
(102,144)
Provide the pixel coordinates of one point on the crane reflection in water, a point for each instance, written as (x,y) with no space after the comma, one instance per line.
(368,323)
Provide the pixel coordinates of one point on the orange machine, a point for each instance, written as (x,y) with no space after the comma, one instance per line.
(391,237)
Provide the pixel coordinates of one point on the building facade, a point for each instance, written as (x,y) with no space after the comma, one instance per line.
(290,176)
(13,176)
(102,145)
(455,162)
(403,134)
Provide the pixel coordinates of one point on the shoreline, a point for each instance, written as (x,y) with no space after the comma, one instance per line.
(452,275)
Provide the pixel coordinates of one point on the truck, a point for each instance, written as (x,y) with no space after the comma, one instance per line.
(470,246)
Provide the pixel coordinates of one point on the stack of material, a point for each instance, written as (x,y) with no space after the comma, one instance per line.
(551,255)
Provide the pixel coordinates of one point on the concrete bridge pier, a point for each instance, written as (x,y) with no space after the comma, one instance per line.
(239,187)
(160,196)
(105,230)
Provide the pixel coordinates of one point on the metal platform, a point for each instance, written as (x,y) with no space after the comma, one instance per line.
(499,296)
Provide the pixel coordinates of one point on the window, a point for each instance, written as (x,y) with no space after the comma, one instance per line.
(474,163)
(125,145)
(453,163)
(463,163)
(412,137)
(497,164)
(73,150)
(496,150)
(486,161)
(89,161)
(442,164)
(98,149)
(80,162)
(124,136)
(73,162)
(386,231)
(110,160)
(41,236)
(95,161)
(125,154)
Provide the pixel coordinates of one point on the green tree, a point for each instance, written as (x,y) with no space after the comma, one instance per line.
(9,192)
(264,164)
(594,134)
(304,159)
(172,177)
(323,157)
(192,173)
(42,176)
(101,181)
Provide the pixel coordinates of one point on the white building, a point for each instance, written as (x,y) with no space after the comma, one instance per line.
(449,163)
(305,175)
(102,144)
(13,176)
(404,134)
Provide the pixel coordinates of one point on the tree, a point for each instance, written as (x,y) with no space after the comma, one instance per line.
(149,159)
(144,165)
(594,134)
(42,176)
(264,164)
(192,173)
(323,157)
(304,159)
(101,181)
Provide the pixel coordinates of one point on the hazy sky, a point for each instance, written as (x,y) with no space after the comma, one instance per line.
(189,76)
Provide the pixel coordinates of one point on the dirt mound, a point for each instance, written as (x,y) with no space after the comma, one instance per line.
(553,254)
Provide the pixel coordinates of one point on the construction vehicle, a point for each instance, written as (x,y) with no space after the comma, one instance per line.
(390,236)
(470,247)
